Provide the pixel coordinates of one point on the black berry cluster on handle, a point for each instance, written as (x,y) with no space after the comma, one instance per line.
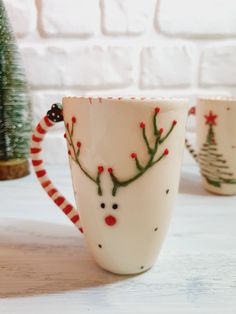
(55,113)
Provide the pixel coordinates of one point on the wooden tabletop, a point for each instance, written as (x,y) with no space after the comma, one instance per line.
(45,266)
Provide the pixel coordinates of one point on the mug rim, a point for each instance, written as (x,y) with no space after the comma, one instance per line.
(129,98)
(217,98)
(168,103)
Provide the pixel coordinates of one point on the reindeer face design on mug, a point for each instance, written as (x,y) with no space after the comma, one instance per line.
(152,147)
(124,156)
(110,220)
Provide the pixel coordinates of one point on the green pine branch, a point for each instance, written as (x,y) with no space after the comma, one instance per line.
(75,157)
(152,151)
(213,166)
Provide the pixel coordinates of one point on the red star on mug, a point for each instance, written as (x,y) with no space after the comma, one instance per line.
(210,118)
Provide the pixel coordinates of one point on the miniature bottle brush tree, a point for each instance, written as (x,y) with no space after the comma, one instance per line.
(15,115)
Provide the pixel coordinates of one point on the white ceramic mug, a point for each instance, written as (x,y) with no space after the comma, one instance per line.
(216,143)
(125,156)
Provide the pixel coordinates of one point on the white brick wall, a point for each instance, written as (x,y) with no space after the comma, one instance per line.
(69,17)
(164,66)
(23,16)
(200,18)
(126,17)
(218,66)
(124,47)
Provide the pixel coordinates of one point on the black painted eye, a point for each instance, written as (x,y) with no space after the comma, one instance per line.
(114,206)
(103,205)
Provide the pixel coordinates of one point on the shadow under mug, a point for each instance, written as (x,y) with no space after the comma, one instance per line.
(125,156)
(216,143)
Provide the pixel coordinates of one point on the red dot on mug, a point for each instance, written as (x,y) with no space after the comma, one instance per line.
(110,220)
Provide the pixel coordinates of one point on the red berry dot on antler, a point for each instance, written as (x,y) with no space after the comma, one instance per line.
(192,110)
(67,125)
(174,122)
(73,119)
(69,152)
(110,170)
(161,130)
(133,155)
(166,151)
(142,125)
(64,135)
(100,169)
(78,144)
(157,109)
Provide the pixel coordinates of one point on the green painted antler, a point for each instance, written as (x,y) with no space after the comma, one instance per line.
(74,154)
(141,169)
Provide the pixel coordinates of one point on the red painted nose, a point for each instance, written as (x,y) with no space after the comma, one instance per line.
(110,220)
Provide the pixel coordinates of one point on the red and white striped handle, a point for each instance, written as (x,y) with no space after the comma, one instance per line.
(35,151)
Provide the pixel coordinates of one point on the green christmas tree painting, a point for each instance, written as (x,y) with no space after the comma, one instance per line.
(15,116)
(213,165)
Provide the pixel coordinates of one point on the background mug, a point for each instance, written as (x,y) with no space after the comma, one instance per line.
(216,143)
(125,156)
